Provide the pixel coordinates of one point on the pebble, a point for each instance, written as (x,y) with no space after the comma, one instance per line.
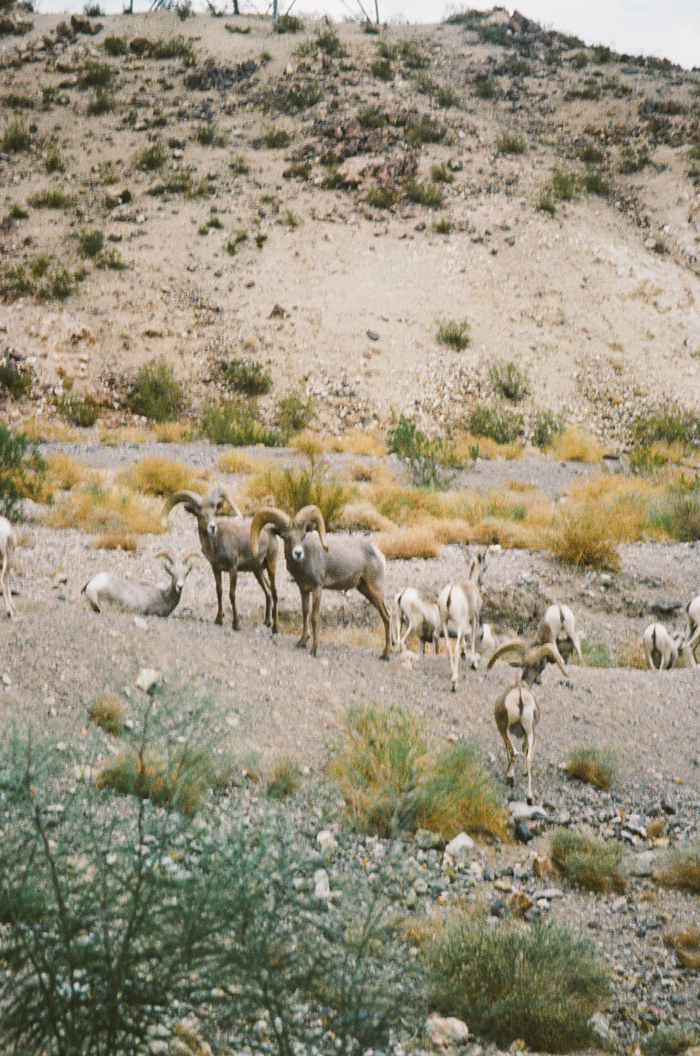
(445,1032)
(458,847)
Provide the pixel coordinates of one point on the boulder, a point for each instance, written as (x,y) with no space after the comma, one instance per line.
(446,1032)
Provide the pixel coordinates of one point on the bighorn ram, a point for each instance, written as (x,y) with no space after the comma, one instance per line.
(692,639)
(535,654)
(226,545)
(422,617)
(461,603)
(562,623)
(144,598)
(318,561)
(660,648)
(516,713)
(8,542)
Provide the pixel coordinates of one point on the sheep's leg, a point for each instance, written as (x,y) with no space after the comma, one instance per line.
(232,581)
(691,645)
(446,633)
(219,596)
(530,739)
(305,599)
(473,659)
(257,572)
(7,594)
(315,609)
(457,653)
(375,597)
(271,565)
(512,754)
(667,658)
(647,653)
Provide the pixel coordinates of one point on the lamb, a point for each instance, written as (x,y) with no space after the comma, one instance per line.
(422,617)
(516,713)
(534,654)
(143,598)
(692,639)
(8,542)
(660,648)
(562,623)
(318,561)
(461,602)
(225,543)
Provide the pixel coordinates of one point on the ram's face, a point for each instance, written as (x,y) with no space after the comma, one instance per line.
(295,543)
(210,513)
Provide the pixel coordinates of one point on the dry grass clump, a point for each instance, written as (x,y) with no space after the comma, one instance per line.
(594,766)
(98,509)
(686,946)
(354,442)
(107,713)
(369,473)
(293,488)
(392,783)
(285,779)
(451,531)
(573,445)
(65,473)
(177,781)
(541,984)
(124,434)
(401,544)
(680,870)
(631,654)
(161,476)
(671,1040)
(362,517)
(468,446)
(588,862)
(404,505)
(583,539)
(234,461)
(38,429)
(116,541)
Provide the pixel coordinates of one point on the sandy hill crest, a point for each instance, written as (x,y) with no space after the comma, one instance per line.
(543,192)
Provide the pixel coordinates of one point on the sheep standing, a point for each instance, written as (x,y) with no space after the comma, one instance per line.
(319,561)
(692,638)
(422,618)
(516,713)
(143,598)
(660,648)
(562,623)
(461,603)
(534,654)
(8,542)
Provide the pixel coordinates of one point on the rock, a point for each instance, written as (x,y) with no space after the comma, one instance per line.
(64,31)
(503,885)
(326,841)
(446,1032)
(620,905)
(82,24)
(277,312)
(6,680)
(551,892)
(373,335)
(665,607)
(643,864)
(458,847)
(603,1033)
(428,840)
(519,903)
(322,887)
(156,188)
(522,832)
(148,679)
(116,198)
(140,623)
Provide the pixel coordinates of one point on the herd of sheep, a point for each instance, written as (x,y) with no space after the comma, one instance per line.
(317,560)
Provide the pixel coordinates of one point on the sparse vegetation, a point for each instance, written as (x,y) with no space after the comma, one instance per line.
(545,427)
(91,242)
(486,88)
(238,239)
(304,96)
(632,161)
(288,24)
(680,869)
(586,861)
(209,136)
(423,193)
(284,780)
(152,158)
(95,508)
(594,766)
(293,488)
(22,471)
(497,423)
(294,413)
(541,985)
(382,197)
(116,46)
(564,185)
(510,143)
(155,392)
(78,410)
(234,422)
(582,539)
(247,376)
(509,381)
(382,70)
(102,102)
(454,334)
(371,116)
(425,457)
(50,199)
(671,1040)
(15,379)
(108,713)
(161,477)
(93,74)
(276,138)
(593,183)
(16,138)
(53,162)
(424,130)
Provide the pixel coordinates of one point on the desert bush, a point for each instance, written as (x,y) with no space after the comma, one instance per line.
(669,425)
(509,381)
(110,261)
(288,24)
(582,539)
(238,239)
(680,869)
(541,985)
(594,766)
(247,376)
(596,654)
(510,143)
(22,471)
(209,136)
(94,74)
(545,427)
(174,48)
(116,46)
(382,197)
(91,242)
(426,194)
(107,712)
(564,185)
(113,917)
(454,334)
(15,379)
(64,473)
(161,476)
(155,392)
(290,219)
(496,423)
(588,89)
(329,42)
(591,154)
(53,162)
(234,422)
(50,199)
(303,96)
(391,783)
(284,780)
(545,202)
(425,457)
(152,158)
(404,544)
(424,130)
(298,170)
(16,212)
(17,101)
(441,174)
(276,138)
(102,102)
(382,70)
(294,413)
(116,541)
(98,509)
(572,445)
(486,88)
(671,1040)
(443,227)
(295,487)
(593,183)
(371,116)
(412,55)
(685,943)
(586,861)
(78,410)
(239,166)
(237,462)
(16,138)
(632,161)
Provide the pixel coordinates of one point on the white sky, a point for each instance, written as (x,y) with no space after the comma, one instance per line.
(665,28)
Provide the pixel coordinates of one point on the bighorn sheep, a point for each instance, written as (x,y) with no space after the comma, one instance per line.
(535,654)
(226,545)
(692,639)
(516,713)
(333,562)
(461,603)
(660,648)
(422,617)
(8,542)
(143,598)
(562,623)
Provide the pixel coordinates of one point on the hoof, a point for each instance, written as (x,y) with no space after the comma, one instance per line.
(301,645)
(530,800)
(274,630)
(454,687)
(235,626)
(511,782)
(384,656)
(219,620)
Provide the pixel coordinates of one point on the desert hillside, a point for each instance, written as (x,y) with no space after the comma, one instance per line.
(325,201)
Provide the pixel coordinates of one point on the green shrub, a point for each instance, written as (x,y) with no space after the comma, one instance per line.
(443,227)
(91,242)
(298,170)
(425,456)
(174,48)
(671,1040)
(632,161)
(276,138)
(590,863)
(100,103)
(15,380)
(486,88)
(209,136)
(510,143)
(667,425)
(284,780)
(234,422)
(50,199)
(94,74)
(329,43)
(679,513)
(422,193)
(239,238)
(590,89)
(593,183)
(184,10)
(594,766)
(541,985)
(382,197)
(591,154)
(679,869)
(53,162)
(392,783)
(545,202)
(424,130)
(509,381)
(16,101)
(371,116)
(564,185)
(454,334)
(16,212)
(288,24)
(155,392)
(40,266)
(545,426)
(247,376)
(303,96)
(441,174)
(152,158)
(294,413)
(412,55)
(16,138)
(22,471)
(499,424)
(308,485)
(115,46)
(239,166)
(382,70)
(110,261)
(78,410)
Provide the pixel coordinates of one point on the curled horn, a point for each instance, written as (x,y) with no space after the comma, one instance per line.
(514,646)
(167,557)
(550,651)
(268,515)
(191,558)
(190,497)
(311,515)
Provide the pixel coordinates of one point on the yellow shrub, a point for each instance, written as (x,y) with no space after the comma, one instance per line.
(418,540)
(573,445)
(64,473)
(235,461)
(94,508)
(161,476)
